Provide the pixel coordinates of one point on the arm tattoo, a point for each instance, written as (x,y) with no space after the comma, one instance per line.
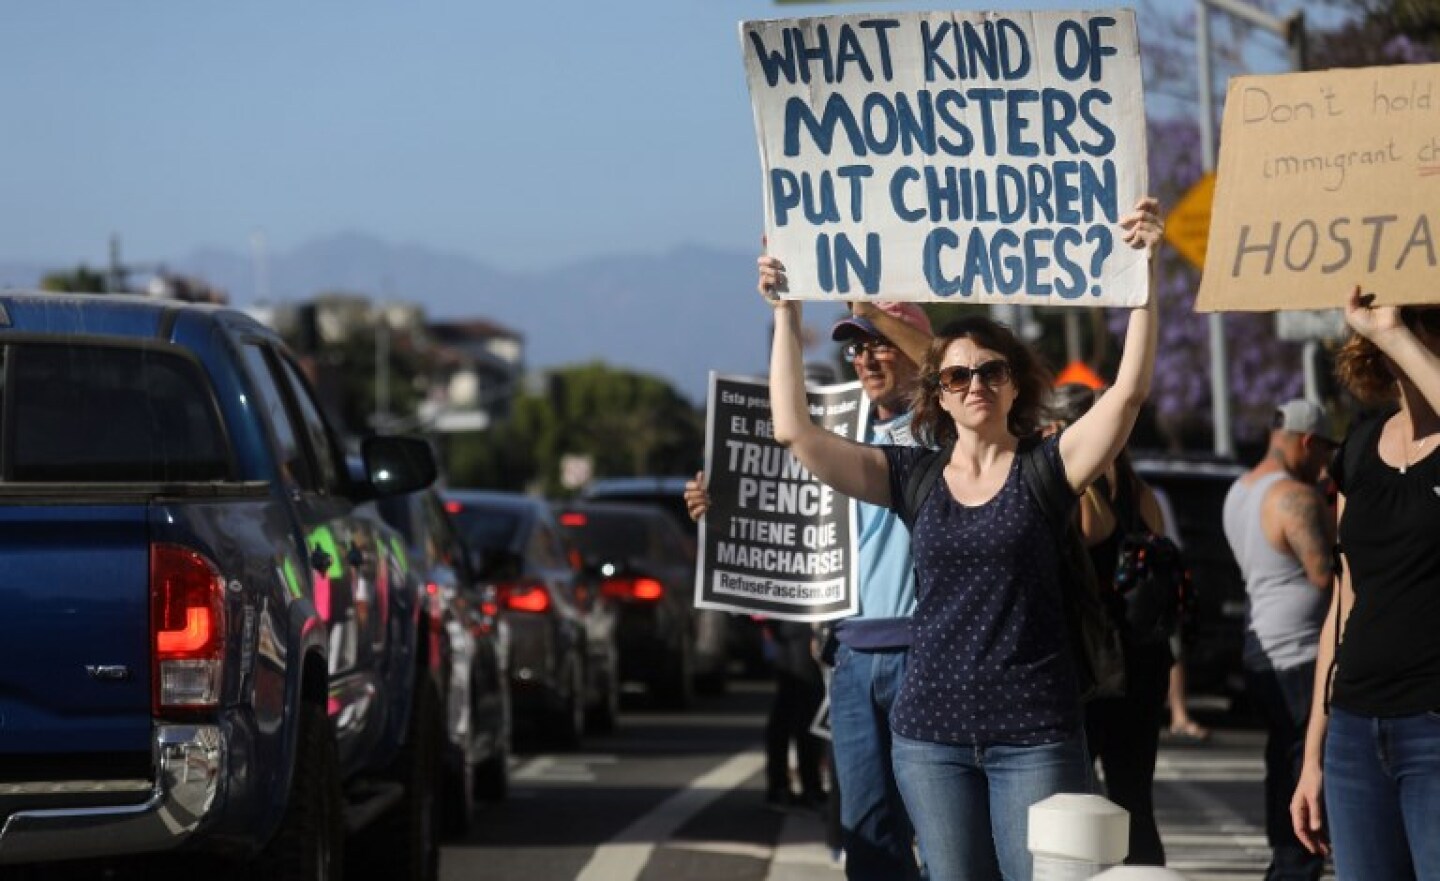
(1304,516)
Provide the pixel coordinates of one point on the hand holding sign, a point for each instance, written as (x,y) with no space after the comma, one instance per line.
(1143,226)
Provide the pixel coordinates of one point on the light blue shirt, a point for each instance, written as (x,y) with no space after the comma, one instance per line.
(887,576)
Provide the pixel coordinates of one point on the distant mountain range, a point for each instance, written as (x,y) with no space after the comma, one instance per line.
(676,315)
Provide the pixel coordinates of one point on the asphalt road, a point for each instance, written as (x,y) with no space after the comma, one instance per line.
(679,796)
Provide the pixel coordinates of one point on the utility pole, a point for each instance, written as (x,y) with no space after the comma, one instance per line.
(1292,30)
(115,278)
(260,266)
(382,373)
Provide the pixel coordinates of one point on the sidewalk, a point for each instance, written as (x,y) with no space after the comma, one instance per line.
(1209,801)
(800,852)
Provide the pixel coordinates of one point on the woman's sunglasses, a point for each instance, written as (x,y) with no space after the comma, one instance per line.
(956,379)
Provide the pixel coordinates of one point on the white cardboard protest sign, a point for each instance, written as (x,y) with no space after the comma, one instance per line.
(979,157)
(775,541)
(1327,179)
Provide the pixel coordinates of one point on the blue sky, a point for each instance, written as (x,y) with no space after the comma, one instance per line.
(522,134)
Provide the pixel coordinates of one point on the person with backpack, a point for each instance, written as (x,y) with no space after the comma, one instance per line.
(1120,513)
(1372,748)
(1281,532)
(987,721)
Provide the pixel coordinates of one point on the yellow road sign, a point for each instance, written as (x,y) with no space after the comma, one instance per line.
(1187,228)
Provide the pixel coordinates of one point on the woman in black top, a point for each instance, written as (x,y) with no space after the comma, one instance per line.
(1123,733)
(1373,754)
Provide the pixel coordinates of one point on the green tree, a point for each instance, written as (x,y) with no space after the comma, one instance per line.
(627,423)
(80,280)
(354,362)
(1380,32)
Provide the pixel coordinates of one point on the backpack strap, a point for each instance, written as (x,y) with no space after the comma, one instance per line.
(1052,494)
(1127,505)
(920,481)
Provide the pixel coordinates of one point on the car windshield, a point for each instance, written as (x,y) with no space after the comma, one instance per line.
(488,528)
(609,536)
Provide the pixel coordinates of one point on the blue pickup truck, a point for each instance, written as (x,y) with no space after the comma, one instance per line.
(214,651)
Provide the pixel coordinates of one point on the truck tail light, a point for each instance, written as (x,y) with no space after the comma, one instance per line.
(187,628)
(646,590)
(522,597)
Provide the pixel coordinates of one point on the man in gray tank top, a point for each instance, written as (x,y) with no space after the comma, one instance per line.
(1281,530)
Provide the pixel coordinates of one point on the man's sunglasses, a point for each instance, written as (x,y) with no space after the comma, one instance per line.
(956,379)
(878,348)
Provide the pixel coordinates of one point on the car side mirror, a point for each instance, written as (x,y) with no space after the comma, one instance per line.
(396,465)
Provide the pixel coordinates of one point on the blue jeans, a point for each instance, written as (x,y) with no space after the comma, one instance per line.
(876,831)
(1382,796)
(1283,699)
(971,804)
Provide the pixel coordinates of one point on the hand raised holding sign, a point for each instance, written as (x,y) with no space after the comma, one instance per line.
(772,279)
(1143,226)
(1369,320)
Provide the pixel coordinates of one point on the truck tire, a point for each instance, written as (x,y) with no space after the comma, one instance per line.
(404,845)
(674,686)
(604,714)
(492,776)
(457,801)
(310,844)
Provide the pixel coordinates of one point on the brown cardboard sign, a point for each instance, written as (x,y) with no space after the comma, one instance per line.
(1327,180)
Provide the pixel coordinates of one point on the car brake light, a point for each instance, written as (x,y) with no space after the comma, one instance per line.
(573,518)
(525,597)
(187,622)
(453,507)
(644,589)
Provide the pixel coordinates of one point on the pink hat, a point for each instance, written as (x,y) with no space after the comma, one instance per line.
(910,313)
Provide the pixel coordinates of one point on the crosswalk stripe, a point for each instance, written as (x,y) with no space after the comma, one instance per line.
(623,858)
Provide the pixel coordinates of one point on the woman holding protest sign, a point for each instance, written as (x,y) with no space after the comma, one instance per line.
(988,717)
(1372,749)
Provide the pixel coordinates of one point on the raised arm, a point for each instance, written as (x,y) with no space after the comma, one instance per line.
(854,469)
(1383,327)
(1092,443)
(913,341)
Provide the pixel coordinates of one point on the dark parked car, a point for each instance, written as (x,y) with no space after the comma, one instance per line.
(564,668)
(744,636)
(667,492)
(1195,488)
(473,641)
(646,564)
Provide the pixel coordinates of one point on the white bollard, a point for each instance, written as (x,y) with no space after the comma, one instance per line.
(1073,836)
(1139,873)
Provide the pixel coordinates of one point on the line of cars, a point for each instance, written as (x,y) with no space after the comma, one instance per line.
(558,606)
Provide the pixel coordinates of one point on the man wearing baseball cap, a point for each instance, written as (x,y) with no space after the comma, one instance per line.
(1281,531)
(885,343)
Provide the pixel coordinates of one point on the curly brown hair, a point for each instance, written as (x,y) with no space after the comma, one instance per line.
(1364,370)
(1029,372)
